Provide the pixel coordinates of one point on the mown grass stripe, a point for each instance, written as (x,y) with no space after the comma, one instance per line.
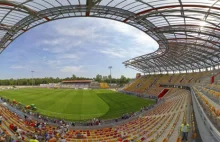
(77,105)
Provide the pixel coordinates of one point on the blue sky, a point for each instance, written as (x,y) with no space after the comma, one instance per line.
(80,46)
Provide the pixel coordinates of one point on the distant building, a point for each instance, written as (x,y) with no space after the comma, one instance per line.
(76,84)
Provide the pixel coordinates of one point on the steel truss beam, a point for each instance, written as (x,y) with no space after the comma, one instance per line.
(183,43)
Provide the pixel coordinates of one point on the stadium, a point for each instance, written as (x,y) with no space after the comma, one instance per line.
(175,98)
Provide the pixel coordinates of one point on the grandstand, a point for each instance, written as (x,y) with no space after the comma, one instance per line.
(183,73)
(150,84)
(160,123)
(75,84)
(104,85)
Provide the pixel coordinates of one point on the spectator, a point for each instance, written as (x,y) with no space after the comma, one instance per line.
(11,126)
(46,136)
(79,135)
(19,137)
(123,116)
(25,117)
(2,139)
(73,124)
(62,139)
(65,128)
(33,139)
(116,120)
(53,139)
(19,131)
(0,120)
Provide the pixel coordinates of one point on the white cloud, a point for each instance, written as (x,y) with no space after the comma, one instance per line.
(116,46)
(53,42)
(114,52)
(68,56)
(105,35)
(59,60)
(120,27)
(45,49)
(53,63)
(17,67)
(138,36)
(132,50)
(68,44)
(60,45)
(71,69)
(75,32)
(72,42)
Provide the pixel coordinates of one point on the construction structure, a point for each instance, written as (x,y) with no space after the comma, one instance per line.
(187,32)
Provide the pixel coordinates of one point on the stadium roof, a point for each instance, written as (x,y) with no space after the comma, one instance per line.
(187,31)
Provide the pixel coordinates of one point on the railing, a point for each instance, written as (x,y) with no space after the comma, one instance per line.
(215,134)
(211,128)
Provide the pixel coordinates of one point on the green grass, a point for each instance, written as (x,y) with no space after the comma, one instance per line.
(77,105)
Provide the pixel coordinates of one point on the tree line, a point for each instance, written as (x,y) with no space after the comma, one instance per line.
(108,79)
(46,80)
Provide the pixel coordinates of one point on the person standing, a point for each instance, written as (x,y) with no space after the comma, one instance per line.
(1,120)
(184,130)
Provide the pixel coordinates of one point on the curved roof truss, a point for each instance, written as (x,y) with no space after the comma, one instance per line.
(187,32)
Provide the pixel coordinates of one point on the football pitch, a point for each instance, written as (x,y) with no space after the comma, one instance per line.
(77,105)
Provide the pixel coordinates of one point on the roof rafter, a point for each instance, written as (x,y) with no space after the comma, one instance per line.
(188,35)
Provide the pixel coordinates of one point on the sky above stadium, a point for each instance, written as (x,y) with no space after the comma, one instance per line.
(81,46)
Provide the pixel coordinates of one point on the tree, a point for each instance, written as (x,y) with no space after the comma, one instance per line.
(123,79)
(109,76)
(46,80)
(104,78)
(98,78)
(74,77)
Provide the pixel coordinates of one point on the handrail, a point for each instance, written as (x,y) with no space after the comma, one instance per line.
(208,124)
(214,131)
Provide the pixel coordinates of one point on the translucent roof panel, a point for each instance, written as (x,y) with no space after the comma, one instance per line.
(174,24)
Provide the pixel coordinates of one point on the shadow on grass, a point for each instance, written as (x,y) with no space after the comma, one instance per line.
(120,104)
